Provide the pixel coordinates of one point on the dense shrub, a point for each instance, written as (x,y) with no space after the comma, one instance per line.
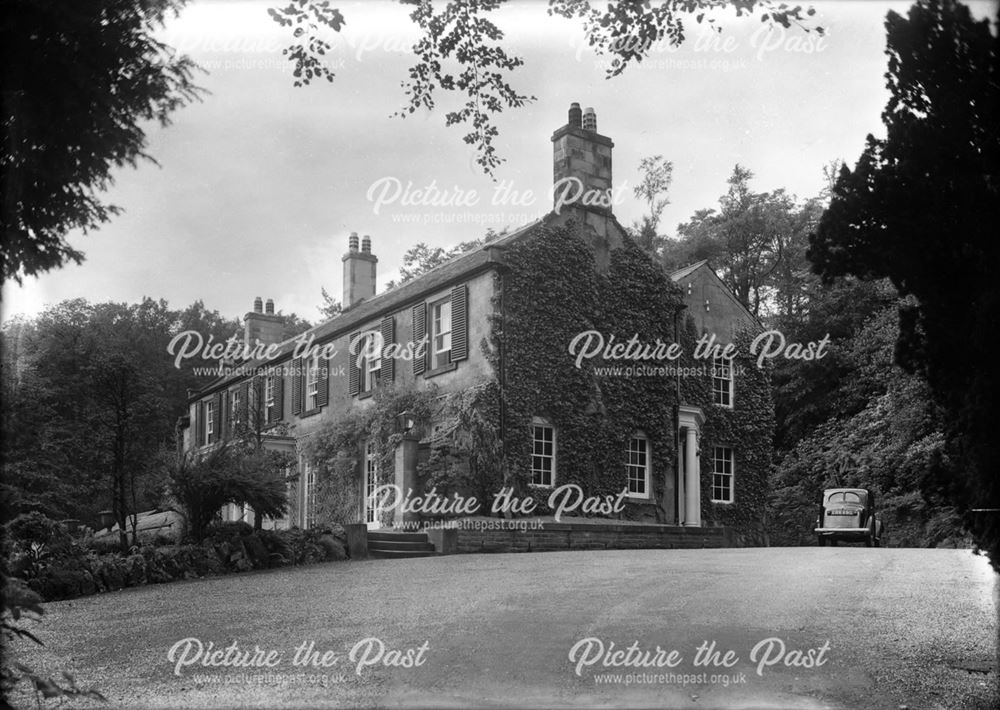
(35,527)
(62,568)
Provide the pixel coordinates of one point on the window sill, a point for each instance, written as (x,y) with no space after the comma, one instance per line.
(367,394)
(546,486)
(636,498)
(724,502)
(441,370)
(310,412)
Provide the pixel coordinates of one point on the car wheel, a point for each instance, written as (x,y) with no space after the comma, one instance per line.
(833,542)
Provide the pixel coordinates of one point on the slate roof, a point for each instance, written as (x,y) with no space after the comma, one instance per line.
(450,272)
(687,270)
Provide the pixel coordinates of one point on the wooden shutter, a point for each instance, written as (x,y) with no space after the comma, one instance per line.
(322,382)
(244,403)
(224,430)
(297,379)
(256,419)
(388,337)
(199,423)
(217,424)
(459,323)
(278,411)
(419,333)
(354,374)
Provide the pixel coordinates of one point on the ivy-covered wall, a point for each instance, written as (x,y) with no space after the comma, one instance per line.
(551,292)
(478,440)
(747,428)
(554,290)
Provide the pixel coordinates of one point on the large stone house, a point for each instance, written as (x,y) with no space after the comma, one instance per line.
(686,441)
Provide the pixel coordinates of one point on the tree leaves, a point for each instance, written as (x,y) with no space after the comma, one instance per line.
(460,50)
(79,81)
(920,208)
(463,35)
(307,55)
(629,30)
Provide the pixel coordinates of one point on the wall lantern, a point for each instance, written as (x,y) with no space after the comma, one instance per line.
(405,421)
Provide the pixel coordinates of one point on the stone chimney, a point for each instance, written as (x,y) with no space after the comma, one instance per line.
(580,152)
(261,326)
(359,271)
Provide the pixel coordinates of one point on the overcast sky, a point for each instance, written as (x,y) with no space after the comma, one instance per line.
(260,184)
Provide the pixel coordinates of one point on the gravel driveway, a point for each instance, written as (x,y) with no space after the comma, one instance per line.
(784,628)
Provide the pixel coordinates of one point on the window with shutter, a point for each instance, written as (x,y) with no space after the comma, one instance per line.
(353,371)
(210,421)
(244,403)
(459,323)
(256,404)
(440,335)
(296,387)
(419,334)
(234,410)
(388,372)
(269,398)
(219,414)
(279,397)
(312,384)
(229,423)
(199,423)
(322,381)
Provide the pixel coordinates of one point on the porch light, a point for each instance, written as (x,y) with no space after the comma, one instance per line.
(405,421)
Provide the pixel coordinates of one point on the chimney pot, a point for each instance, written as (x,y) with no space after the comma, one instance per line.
(359,272)
(574,115)
(581,153)
(269,306)
(258,305)
(352,241)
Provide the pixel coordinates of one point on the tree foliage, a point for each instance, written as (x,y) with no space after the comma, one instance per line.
(460,50)
(331,307)
(884,433)
(920,208)
(90,395)
(754,241)
(19,605)
(236,472)
(420,258)
(79,81)
(653,189)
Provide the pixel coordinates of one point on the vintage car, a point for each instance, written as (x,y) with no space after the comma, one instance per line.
(848,514)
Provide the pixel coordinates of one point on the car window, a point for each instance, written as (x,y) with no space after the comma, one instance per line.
(846,497)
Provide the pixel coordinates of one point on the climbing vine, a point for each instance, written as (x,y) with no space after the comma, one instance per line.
(552,292)
(337,450)
(458,430)
(555,289)
(747,428)
(478,440)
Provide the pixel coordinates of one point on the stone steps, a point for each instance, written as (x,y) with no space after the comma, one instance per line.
(388,544)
